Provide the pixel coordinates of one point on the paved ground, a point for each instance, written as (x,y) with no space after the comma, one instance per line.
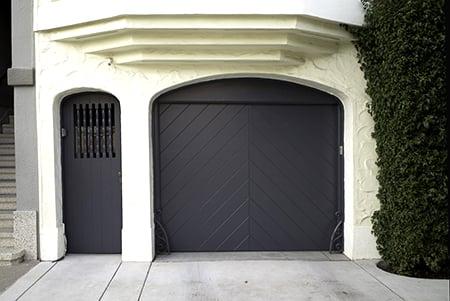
(9,274)
(223,276)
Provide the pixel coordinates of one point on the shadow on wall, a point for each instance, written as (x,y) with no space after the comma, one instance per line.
(6,92)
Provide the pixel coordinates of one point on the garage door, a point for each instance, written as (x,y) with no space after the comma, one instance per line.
(246,165)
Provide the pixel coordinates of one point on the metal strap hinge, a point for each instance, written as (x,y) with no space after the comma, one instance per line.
(341,150)
(63,132)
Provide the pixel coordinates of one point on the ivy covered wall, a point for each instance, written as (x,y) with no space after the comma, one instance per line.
(402,53)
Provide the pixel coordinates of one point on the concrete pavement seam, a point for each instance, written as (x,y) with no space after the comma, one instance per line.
(36,281)
(110,280)
(378,280)
(145,280)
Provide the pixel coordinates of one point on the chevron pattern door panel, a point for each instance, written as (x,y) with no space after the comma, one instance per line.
(247,165)
(203,174)
(248,177)
(293,159)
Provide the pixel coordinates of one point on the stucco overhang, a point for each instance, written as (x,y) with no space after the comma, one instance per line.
(59,13)
(131,40)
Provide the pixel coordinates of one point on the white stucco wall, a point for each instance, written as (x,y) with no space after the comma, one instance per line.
(63,69)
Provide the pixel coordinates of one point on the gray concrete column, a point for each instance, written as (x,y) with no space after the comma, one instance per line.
(21,76)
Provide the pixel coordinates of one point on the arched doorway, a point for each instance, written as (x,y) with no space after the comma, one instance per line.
(249,164)
(91,173)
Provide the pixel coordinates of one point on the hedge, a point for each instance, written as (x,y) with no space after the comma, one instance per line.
(401,49)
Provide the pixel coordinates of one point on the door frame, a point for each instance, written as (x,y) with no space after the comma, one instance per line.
(201,93)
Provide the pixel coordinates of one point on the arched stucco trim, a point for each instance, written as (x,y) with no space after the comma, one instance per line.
(296,80)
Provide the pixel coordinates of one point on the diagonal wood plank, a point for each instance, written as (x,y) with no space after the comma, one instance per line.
(299,143)
(289,217)
(295,192)
(249,177)
(203,146)
(199,174)
(180,124)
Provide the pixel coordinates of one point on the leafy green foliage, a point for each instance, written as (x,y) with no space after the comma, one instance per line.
(402,53)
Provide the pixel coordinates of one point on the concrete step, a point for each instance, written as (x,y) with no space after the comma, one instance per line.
(5,170)
(7,129)
(7,146)
(6,222)
(10,151)
(8,190)
(8,183)
(6,237)
(6,231)
(10,256)
(7,176)
(6,219)
(8,202)
(6,140)
(7,163)
(8,206)
(7,198)
(7,241)
(7,153)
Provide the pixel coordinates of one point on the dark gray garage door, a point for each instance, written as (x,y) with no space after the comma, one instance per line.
(248,164)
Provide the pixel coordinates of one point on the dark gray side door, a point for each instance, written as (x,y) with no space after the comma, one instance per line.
(248,164)
(91,162)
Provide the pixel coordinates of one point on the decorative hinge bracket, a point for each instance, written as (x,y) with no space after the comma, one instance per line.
(161,237)
(336,239)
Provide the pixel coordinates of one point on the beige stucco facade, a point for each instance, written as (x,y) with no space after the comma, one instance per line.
(92,57)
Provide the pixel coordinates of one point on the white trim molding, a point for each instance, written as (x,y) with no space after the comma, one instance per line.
(269,39)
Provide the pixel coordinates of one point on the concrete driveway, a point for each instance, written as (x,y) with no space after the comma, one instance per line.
(220,276)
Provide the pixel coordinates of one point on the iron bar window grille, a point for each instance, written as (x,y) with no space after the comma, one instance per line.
(94,130)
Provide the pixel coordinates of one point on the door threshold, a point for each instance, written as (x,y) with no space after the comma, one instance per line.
(255,255)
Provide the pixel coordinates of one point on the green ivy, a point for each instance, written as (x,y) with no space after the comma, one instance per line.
(401,50)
